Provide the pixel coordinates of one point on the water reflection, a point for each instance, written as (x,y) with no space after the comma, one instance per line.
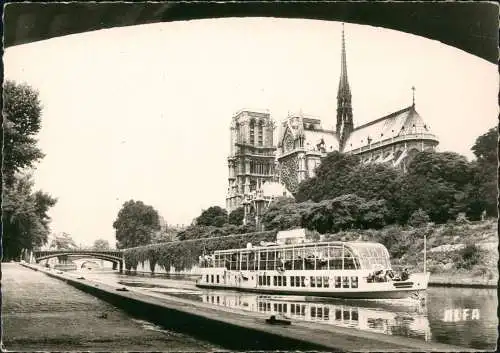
(459,316)
(408,319)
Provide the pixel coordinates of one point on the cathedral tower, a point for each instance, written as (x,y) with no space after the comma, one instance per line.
(344,109)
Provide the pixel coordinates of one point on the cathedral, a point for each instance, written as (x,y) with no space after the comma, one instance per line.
(259,170)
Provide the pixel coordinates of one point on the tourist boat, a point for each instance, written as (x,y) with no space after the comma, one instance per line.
(360,270)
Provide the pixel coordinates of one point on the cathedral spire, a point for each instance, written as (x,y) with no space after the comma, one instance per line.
(344,83)
(344,108)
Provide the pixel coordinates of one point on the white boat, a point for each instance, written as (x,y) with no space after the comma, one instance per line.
(360,270)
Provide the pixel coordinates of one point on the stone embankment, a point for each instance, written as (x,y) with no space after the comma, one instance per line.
(40,313)
(237,330)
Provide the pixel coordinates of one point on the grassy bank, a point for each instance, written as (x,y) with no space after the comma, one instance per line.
(457,254)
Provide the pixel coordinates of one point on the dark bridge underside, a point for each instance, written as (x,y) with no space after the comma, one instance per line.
(472,27)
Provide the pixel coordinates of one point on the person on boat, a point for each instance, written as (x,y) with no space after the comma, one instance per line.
(405,275)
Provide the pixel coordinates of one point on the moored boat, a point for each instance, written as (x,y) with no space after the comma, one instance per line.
(360,270)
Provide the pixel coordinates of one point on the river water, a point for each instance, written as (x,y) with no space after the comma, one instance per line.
(460,316)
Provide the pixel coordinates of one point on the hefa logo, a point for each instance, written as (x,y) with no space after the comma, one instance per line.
(455,315)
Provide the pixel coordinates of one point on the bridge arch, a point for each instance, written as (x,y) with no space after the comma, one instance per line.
(116,257)
(472,27)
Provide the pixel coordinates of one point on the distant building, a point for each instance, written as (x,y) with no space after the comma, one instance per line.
(303,142)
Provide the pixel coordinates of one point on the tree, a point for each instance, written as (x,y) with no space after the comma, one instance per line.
(101,244)
(484,191)
(135,224)
(236,216)
(63,241)
(21,122)
(25,222)
(283,213)
(485,147)
(213,216)
(438,183)
(332,178)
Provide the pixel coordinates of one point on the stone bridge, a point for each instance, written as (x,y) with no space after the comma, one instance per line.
(115,256)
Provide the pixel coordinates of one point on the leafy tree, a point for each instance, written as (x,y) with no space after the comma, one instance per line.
(101,244)
(437,183)
(331,180)
(283,213)
(21,122)
(25,222)
(63,241)
(135,224)
(24,212)
(484,191)
(236,216)
(485,147)
(213,216)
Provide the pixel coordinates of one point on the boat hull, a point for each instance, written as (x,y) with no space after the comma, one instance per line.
(383,294)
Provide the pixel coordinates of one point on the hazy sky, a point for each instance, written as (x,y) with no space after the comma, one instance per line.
(143,112)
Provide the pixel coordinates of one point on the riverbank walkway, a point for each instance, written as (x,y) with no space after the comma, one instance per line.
(41,313)
(326,337)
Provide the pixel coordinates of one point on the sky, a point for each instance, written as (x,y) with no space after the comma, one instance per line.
(143,112)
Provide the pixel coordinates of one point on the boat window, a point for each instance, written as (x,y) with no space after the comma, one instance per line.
(310,259)
(275,307)
(345,282)
(325,282)
(347,315)
(318,282)
(303,281)
(212,278)
(284,281)
(218,279)
(268,280)
(260,280)
(349,264)
(326,313)
(251,261)
(335,264)
(268,305)
(337,282)
(354,281)
(263,260)
(313,311)
(292,308)
(279,280)
(354,315)
(298,261)
(244,261)
(206,279)
(292,281)
(313,281)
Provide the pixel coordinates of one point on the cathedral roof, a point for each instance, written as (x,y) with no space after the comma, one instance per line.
(314,137)
(403,122)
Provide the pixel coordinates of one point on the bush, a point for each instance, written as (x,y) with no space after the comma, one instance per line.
(418,218)
(467,257)
(183,255)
